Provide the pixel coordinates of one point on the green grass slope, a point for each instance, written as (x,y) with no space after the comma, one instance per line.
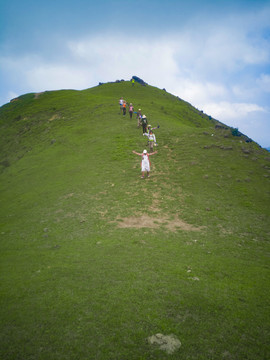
(94,260)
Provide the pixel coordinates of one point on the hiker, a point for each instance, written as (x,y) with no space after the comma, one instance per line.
(124,108)
(132,82)
(151,140)
(121,102)
(150,128)
(144,123)
(145,164)
(139,117)
(131,109)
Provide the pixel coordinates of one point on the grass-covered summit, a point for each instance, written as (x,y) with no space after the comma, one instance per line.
(95,261)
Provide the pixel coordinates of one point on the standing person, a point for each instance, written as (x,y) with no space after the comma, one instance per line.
(124,108)
(139,117)
(132,82)
(151,140)
(131,109)
(121,102)
(145,164)
(144,124)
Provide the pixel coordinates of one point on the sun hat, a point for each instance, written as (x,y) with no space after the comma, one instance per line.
(145,151)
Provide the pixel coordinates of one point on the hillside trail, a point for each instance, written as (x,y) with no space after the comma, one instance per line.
(157,220)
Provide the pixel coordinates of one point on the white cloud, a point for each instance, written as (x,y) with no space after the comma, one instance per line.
(198,93)
(231,111)
(11,95)
(264,82)
(123,57)
(199,63)
(56,76)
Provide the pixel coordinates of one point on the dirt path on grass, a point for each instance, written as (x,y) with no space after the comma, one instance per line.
(146,221)
(156,218)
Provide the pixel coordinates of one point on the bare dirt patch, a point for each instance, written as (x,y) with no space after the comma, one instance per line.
(145,221)
(168,343)
(68,196)
(55,117)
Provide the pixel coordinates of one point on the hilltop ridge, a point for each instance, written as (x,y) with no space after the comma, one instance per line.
(26,111)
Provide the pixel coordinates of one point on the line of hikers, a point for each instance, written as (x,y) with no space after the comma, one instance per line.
(147,130)
(123,107)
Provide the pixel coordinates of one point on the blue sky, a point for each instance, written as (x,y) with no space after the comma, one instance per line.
(213,54)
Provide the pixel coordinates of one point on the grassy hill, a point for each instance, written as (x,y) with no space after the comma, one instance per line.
(95,260)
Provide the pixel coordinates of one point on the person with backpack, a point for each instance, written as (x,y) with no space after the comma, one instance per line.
(131,109)
(150,128)
(139,117)
(145,163)
(144,124)
(151,140)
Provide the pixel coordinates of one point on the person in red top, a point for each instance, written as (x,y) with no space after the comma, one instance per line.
(145,164)
(124,108)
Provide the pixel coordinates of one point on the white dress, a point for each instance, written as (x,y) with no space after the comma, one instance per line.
(145,163)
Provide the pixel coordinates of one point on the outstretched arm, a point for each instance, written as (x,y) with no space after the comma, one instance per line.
(155,152)
(134,152)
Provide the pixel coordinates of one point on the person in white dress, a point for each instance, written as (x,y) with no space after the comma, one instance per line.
(145,163)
